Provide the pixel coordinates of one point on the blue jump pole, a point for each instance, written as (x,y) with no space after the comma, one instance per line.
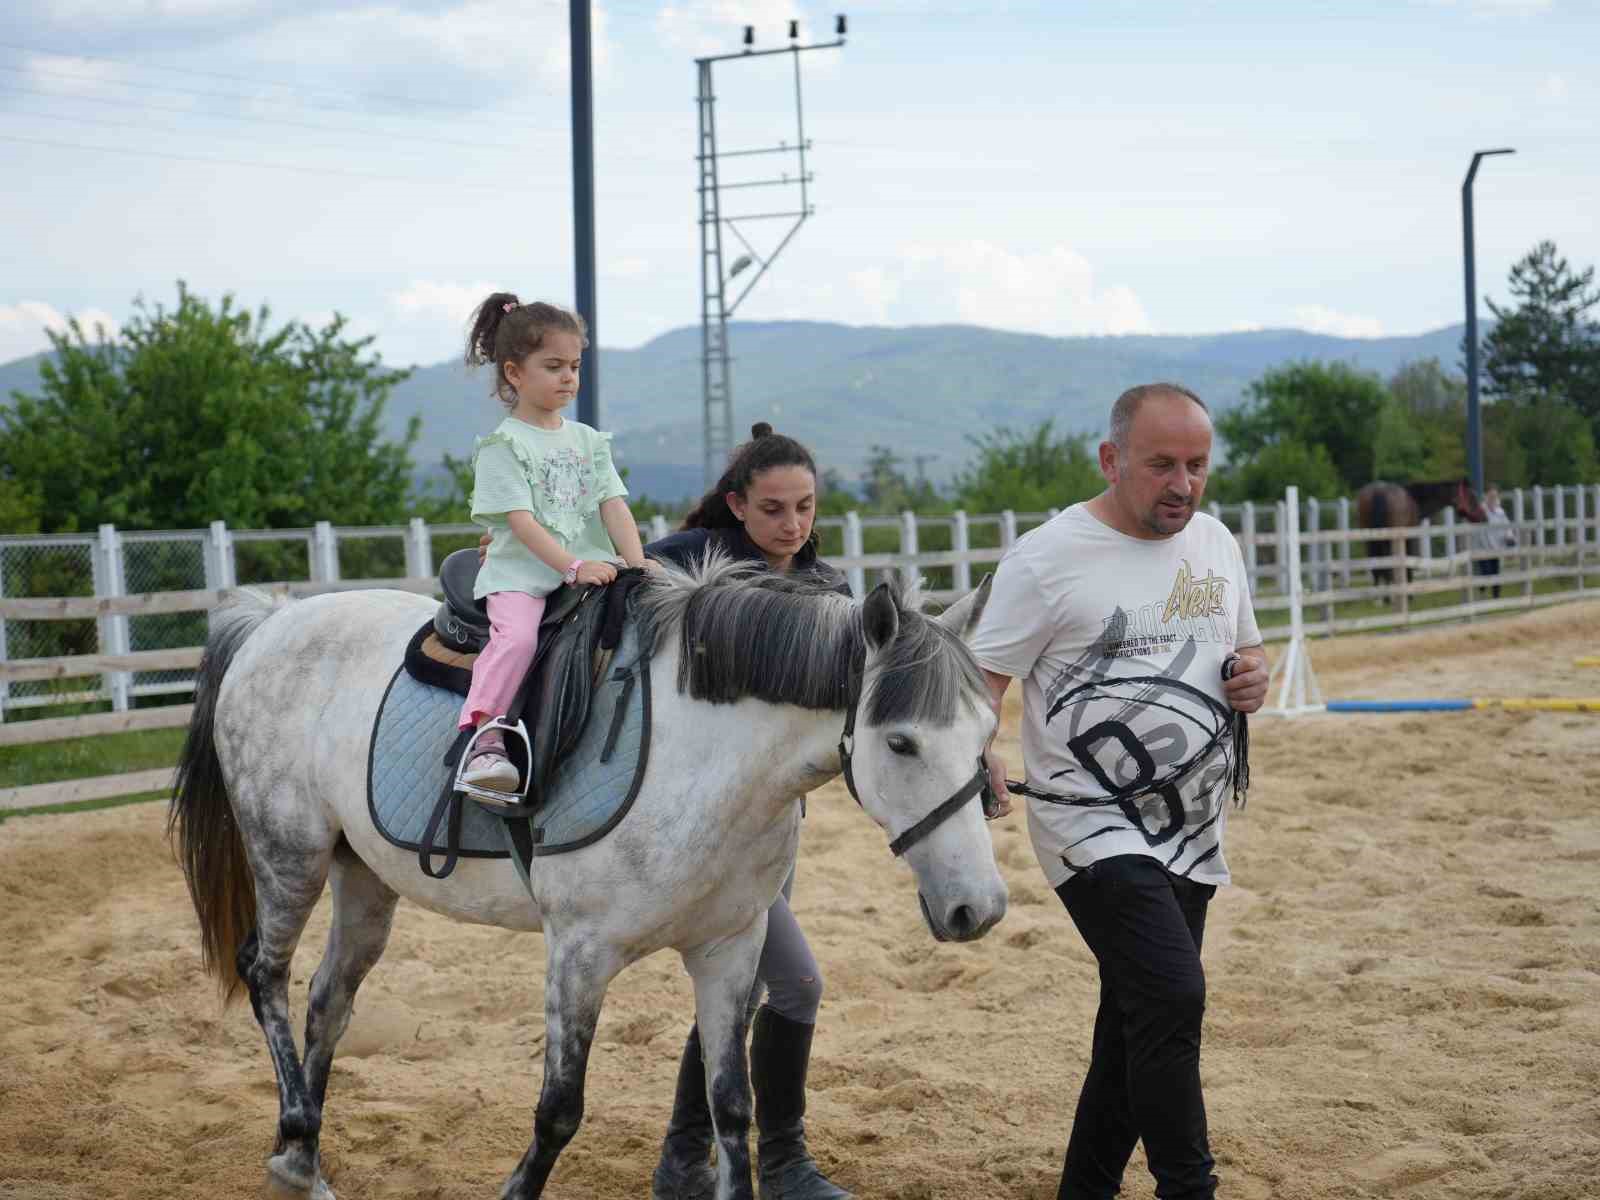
(1392,706)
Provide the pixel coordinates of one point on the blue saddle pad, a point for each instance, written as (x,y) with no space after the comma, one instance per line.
(587,794)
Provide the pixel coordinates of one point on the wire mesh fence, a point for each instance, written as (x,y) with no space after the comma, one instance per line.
(163,562)
(56,566)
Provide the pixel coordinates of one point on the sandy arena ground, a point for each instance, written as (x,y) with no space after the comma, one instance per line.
(1404,990)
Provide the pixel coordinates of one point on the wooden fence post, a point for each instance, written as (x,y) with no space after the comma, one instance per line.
(1560,499)
(1280,533)
(908,542)
(853,549)
(324,553)
(1247,535)
(419,549)
(658,527)
(1344,543)
(109,580)
(1008,529)
(221,571)
(961,543)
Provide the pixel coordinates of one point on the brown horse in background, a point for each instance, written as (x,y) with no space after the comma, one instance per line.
(1383,505)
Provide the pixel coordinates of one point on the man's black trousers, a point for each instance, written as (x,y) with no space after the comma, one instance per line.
(1145,927)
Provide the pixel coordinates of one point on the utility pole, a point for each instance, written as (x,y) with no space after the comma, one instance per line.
(583,208)
(1474,413)
(715,309)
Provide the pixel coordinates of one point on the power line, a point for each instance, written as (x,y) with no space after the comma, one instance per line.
(296,86)
(202,92)
(284,121)
(238,162)
(169,129)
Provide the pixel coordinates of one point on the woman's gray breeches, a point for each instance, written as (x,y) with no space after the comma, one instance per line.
(788,971)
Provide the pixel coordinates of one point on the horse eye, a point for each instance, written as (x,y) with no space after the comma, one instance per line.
(901,744)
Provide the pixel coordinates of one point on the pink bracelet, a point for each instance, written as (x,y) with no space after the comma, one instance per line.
(571,573)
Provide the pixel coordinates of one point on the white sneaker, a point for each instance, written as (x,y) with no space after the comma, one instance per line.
(494,771)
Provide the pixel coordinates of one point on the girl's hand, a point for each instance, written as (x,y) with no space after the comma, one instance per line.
(483,548)
(596,573)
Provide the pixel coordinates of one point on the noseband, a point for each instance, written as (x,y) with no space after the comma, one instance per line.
(978,785)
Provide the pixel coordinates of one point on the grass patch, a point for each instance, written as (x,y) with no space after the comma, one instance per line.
(81,806)
(87,757)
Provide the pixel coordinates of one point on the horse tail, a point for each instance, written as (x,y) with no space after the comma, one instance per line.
(1380,508)
(200,821)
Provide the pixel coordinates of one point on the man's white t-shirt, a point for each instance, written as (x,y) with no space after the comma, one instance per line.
(1119,642)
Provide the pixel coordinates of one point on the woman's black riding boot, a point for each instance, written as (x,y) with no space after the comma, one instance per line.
(779,1053)
(685,1172)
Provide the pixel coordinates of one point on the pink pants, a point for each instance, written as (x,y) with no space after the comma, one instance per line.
(504,662)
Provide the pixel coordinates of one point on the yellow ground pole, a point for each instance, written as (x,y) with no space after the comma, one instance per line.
(1541,704)
(1591,660)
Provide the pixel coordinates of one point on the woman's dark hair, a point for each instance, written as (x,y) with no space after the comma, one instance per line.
(764,451)
(505,330)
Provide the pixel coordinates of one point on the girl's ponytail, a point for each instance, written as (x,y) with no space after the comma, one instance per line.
(485,325)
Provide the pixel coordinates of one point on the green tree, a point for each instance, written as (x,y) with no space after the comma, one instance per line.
(201,413)
(1331,406)
(885,488)
(1546,347)
(1425,389)
(1399,444)
(1028,471)
(1274,468)
(1542,442)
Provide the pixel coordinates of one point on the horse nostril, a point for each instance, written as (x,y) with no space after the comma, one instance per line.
(961,922)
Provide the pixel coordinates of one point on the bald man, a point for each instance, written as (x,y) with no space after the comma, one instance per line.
(1128,619)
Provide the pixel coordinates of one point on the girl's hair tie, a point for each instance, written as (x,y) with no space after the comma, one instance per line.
(508,306)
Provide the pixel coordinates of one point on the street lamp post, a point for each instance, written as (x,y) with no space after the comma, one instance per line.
(1474,415)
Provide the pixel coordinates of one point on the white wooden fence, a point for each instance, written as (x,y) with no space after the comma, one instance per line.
(1557,559)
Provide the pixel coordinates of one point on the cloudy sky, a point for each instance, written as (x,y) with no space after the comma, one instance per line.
(1043,165)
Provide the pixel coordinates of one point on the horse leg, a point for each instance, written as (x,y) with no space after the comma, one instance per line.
(724,973)
(285,896)
(363,911)
(577,974)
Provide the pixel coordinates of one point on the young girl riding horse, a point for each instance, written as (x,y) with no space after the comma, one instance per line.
(547,491)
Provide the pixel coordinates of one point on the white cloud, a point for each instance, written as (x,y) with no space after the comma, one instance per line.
(717,26)
(518,44)
(424,299)
(64,75)
(878,290)
(1316,318)
(1051,291)
(23,325)
(1553,89)
(627,268)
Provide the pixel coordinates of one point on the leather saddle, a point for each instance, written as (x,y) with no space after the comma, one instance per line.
(462,621)
(579,631)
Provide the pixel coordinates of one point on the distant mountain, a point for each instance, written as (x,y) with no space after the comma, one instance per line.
(921,390)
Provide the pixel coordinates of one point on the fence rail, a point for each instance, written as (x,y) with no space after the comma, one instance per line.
(117,617)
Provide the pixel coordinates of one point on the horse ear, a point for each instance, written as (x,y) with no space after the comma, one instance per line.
(880,617)
(962,617)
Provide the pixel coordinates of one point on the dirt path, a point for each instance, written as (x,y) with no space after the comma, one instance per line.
(1404,990)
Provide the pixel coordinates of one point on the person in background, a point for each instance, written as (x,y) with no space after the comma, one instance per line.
(1494,535)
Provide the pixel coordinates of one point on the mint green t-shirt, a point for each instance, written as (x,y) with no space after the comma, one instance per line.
(561,476)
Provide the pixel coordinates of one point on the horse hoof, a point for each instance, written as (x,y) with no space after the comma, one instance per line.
(290,1180)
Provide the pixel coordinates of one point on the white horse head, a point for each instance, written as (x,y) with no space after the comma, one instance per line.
(925,718)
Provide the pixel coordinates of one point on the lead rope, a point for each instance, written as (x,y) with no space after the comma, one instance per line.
(1241,741)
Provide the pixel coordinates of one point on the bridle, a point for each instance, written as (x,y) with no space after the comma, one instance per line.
(978,785)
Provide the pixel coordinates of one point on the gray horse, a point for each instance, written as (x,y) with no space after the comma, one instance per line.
(270,806)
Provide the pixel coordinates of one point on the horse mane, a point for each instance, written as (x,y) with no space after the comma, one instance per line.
(746,632)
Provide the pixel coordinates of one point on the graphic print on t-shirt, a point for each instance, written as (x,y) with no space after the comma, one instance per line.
(1138,738)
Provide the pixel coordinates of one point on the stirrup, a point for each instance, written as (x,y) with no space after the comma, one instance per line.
(505,804)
